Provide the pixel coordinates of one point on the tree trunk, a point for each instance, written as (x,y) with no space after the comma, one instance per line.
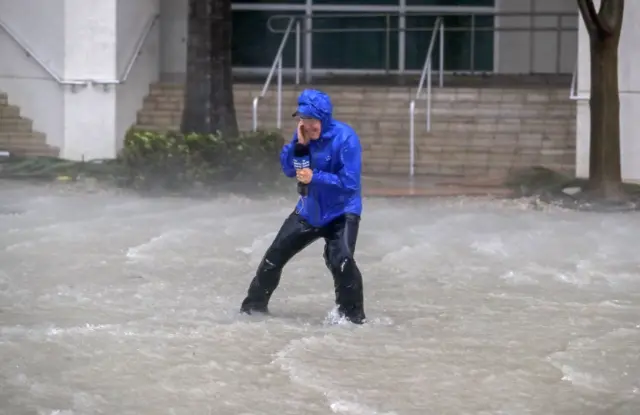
(208,100)
(604,26)
(605,176)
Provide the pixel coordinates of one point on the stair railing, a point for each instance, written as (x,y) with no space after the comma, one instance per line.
(25,46)
(276,67)
(137,51)
(574,94)
(75,83)
(438,31)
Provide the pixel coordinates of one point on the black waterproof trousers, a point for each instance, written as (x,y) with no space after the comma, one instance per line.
(295,234)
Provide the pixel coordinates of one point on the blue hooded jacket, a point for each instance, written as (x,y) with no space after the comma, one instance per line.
(336,161)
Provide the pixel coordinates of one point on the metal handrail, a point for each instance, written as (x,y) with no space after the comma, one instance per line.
(438,29)
(277,66)
(460,11)
(25,46)
(573,93)
(84,82)
(134,55)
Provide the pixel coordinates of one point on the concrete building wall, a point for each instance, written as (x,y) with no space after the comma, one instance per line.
(90,54)
(531,51)
(133,17)
(85,41)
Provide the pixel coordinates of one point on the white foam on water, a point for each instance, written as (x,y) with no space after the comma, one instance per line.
(354,408)
(474,305)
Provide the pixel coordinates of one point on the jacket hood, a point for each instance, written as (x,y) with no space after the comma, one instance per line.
(316,104)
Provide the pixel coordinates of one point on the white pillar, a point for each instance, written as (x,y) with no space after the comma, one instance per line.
(90,41)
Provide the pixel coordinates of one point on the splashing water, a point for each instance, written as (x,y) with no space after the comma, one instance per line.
(118,304)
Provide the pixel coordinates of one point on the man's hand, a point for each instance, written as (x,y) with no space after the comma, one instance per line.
(301,136)
(304,175)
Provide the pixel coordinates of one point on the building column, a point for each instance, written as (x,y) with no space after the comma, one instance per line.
(90,40)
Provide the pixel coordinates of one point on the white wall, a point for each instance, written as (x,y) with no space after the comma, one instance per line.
(629,84)
(90,53)
(173,38)
(537,52)
(133,17)
(85,40)
(40,24)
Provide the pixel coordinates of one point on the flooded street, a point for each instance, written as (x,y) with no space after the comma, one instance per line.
(122,305)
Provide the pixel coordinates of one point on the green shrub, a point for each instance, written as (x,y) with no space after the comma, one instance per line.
(173,160)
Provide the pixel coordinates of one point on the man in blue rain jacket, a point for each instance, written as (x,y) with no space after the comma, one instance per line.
(331,208)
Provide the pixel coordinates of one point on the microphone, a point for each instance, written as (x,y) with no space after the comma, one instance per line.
(301,160)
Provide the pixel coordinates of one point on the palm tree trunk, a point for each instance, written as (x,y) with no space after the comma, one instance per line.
(605,176)
(209,106)
(604,27)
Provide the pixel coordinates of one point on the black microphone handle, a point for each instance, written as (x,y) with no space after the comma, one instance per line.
(303,190)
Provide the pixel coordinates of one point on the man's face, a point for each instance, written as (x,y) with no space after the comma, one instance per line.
(312,128)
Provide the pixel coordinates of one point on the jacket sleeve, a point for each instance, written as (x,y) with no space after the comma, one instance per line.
(348,178)
(286,157)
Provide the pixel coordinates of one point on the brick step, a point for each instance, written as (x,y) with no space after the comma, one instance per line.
(28,144)
(244,127)
(341,100)
(398,124)
(437,115)
(468,109)
(515,148)
(479,108)
(396,130)
(424,142)
(479,139)
(476,163)
(14,124)
(32,151)
(472,157)
(176,102)
(390,123)
(517,97)
(399,92)
(9,111)
(447,167)
(22,137)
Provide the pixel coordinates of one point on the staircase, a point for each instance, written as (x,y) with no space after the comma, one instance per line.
(475,131)
(17,135)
